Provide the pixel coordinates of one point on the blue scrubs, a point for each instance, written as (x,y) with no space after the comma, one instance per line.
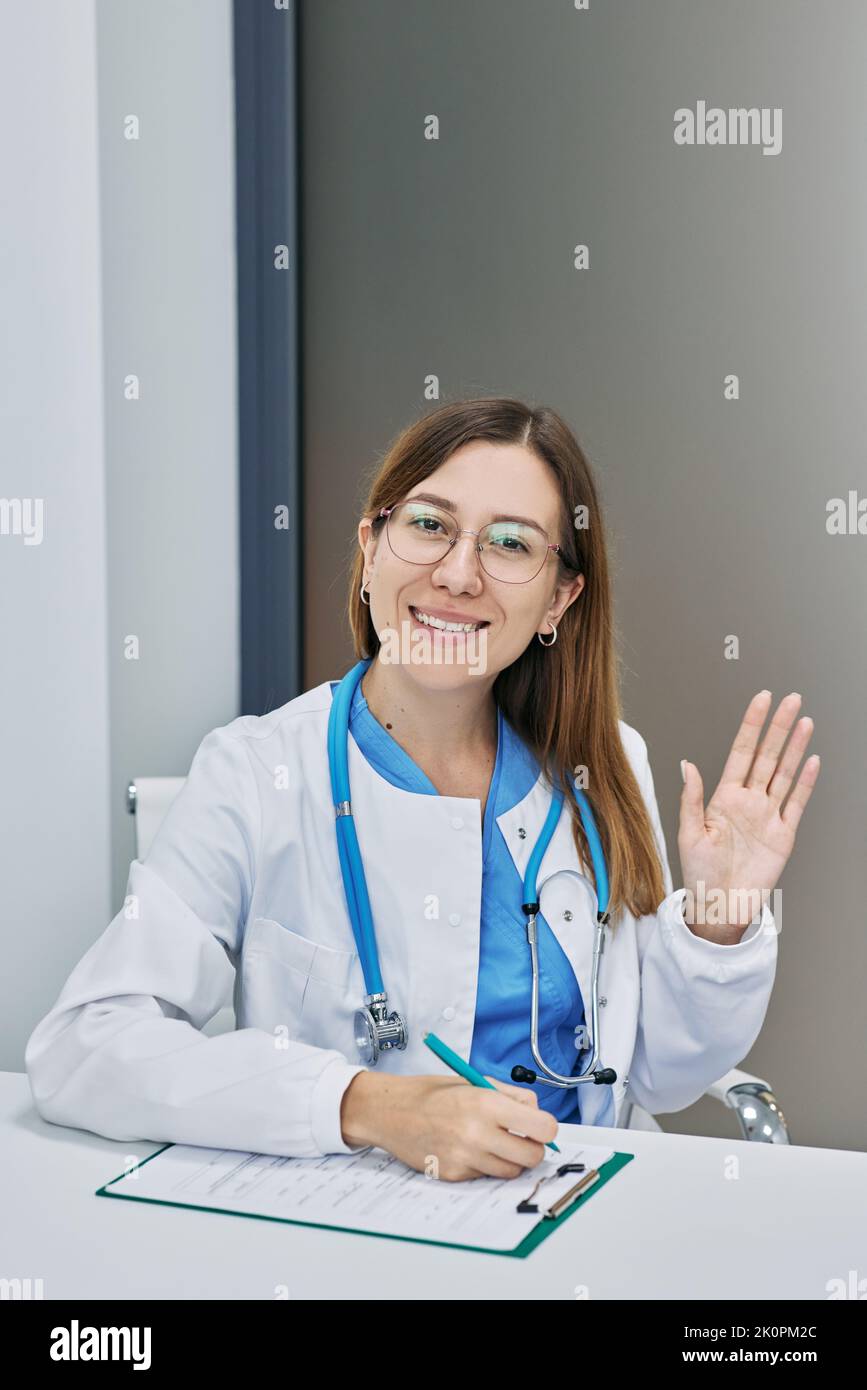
(501,1035)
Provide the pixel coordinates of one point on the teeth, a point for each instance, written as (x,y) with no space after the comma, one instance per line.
(443,625)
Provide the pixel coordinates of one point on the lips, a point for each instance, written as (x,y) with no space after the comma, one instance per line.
(434,626)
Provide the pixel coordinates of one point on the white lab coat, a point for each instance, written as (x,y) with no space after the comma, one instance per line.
(242,885)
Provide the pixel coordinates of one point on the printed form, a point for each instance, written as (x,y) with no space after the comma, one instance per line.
(370,1190)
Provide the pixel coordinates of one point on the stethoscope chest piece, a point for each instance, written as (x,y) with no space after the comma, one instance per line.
(377,1030)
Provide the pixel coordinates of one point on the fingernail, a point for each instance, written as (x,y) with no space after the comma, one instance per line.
(683,769)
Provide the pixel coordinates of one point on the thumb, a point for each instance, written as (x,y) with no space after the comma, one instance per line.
(691,800)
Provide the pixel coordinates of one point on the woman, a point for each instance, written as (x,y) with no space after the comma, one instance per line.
(482,550)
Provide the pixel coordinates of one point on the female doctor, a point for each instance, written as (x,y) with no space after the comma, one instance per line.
(480,605)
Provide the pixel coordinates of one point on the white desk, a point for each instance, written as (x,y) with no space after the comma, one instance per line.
(671,1225)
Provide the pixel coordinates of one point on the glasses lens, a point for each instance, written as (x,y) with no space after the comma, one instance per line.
(420,532)
(512,551)
(509,551)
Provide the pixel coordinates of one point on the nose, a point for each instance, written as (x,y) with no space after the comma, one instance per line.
(460,569)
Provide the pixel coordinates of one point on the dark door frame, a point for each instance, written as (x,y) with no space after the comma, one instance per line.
(269,394)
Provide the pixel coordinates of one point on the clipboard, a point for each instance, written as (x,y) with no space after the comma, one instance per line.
(540,1231)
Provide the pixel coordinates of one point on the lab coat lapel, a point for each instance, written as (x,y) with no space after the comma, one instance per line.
(422,858)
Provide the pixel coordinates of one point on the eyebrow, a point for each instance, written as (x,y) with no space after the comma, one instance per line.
(452,507)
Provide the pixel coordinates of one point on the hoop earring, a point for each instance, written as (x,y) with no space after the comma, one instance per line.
(365,601)
(553,639)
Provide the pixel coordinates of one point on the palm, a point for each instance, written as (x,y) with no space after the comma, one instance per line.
(740,843)
(743,840)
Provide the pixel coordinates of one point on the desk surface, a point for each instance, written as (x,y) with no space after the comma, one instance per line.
(675,1223)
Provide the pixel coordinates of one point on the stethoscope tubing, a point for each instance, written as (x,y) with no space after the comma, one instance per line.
(351,864)
(554,1078)
(600,870)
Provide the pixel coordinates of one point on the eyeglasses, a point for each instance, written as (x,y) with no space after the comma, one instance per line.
(421,533)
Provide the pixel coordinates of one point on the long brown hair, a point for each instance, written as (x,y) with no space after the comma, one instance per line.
(563,702)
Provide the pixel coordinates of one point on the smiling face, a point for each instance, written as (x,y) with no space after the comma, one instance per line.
(482,480)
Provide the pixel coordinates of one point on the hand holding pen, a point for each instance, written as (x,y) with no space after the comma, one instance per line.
(457,1064)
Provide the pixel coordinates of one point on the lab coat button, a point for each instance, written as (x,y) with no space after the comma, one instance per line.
(449,1013)
(457,822)
(602,1002)
(455,919)
(567,915)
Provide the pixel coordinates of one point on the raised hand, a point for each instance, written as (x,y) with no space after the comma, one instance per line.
(738,846)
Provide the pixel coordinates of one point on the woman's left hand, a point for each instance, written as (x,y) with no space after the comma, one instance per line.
(739,846)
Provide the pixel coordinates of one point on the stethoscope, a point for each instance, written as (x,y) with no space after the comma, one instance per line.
(377,1030)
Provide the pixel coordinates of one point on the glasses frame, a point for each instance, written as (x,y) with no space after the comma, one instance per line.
(386,512)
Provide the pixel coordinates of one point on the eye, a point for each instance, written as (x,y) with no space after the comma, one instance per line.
(507,539)
(425,522)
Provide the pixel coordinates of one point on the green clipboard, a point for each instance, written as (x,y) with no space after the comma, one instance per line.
(542,1229)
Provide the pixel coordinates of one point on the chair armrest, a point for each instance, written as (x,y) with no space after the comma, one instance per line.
(759,1113)
(719,1090)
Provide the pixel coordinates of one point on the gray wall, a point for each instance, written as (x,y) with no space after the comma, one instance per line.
(54,823)
(169,288)
(119,259)
(455,257)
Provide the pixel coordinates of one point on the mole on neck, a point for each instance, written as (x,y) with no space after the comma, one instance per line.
(452,730)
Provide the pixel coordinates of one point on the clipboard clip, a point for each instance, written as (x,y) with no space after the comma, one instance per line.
(528,1205)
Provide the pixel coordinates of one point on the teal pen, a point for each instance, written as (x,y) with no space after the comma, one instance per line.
(451,1059)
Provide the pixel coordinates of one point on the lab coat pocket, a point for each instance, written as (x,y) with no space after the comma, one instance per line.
(298,988)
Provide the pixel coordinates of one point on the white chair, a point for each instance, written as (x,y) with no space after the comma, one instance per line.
(759,1115)
(148,799)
